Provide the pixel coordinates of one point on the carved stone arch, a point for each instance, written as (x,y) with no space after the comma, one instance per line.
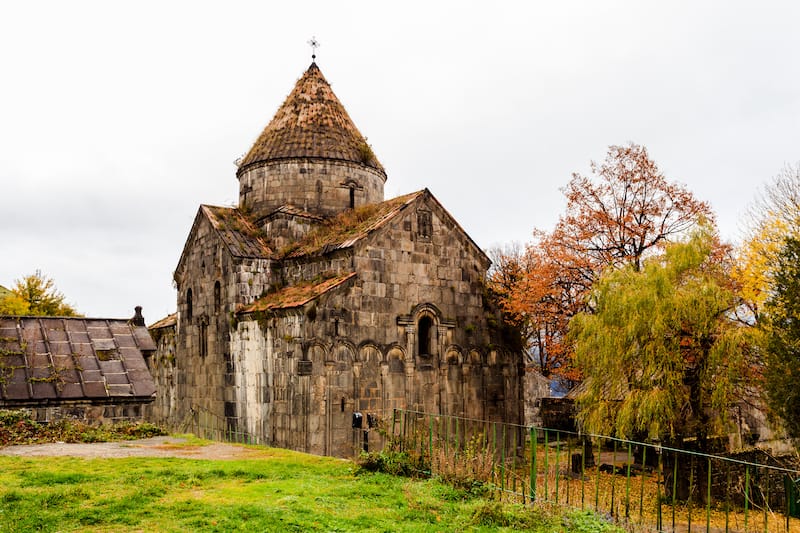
(453,382)
(454,355)
(369,353)
(351,183)
(426,308)
(395,359)
(313,360)
(342,354)
(395,384)
(426,318)
(475,357)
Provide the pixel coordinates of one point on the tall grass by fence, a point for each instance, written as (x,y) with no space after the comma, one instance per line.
(643,486)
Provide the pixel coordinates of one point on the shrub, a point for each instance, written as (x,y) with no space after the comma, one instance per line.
(17,427)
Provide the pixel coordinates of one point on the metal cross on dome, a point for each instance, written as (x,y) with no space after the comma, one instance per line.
(314,44)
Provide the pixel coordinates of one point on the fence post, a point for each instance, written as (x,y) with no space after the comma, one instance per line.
(546,465)
(708,497)
(691,490)
(674,484)
(430,441)
(658,488)
(746,494)
(458,440)
(641,490)
(569,456)
(583,471)
(534,435)
(597,478)
(628,484)
(728,497)
(614,480)
(503,462)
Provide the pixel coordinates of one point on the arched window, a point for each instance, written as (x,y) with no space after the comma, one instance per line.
(188,304)
(352,197)
(217,297)
(424,334)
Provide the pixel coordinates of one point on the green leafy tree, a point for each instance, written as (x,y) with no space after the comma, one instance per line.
(35,295)
(782,339)
(663,352)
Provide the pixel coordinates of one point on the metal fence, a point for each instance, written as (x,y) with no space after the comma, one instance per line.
(207,425)
(642,486)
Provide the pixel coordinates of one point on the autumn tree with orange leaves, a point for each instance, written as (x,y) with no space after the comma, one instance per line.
(624,212)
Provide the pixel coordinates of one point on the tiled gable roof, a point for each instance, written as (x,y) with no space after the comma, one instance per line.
(296,295)
(312,122)
(168,321)
(55,359)
(345,229)
(237,232)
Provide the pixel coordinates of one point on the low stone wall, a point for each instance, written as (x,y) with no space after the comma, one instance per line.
(88,413)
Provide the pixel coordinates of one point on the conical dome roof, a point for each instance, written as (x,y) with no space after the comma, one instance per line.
(312,123)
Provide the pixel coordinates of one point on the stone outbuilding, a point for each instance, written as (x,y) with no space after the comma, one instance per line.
(89,369)
(315,298)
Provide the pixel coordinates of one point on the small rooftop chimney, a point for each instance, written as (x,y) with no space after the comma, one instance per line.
(138,319)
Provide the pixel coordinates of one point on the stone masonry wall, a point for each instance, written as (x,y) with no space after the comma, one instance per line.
(219,284)
(318,186)
(356,348)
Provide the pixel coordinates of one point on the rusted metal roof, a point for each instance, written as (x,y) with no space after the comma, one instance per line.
(312,122)
(58,359)
(347,228)
(241,237)
(296,295)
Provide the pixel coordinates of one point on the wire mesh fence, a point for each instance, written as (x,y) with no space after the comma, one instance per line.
(643,486)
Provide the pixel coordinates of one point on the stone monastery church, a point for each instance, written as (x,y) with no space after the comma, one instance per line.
(316,298)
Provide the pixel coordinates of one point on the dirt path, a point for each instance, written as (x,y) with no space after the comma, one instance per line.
(153,447)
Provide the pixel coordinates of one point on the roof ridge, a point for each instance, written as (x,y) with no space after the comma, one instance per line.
(348,227)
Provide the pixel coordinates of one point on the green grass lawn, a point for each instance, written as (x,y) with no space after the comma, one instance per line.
(279,491)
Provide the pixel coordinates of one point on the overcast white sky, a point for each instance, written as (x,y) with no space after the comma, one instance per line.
(118,119)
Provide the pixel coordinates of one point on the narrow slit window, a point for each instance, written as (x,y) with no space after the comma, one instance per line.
(424,224)
(424,330)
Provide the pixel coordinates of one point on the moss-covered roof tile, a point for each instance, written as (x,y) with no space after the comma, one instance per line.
(296,295)
(345,229)
(241,237)
(312,122)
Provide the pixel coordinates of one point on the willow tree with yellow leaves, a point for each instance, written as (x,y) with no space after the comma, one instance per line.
(624,212)
(663,352)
